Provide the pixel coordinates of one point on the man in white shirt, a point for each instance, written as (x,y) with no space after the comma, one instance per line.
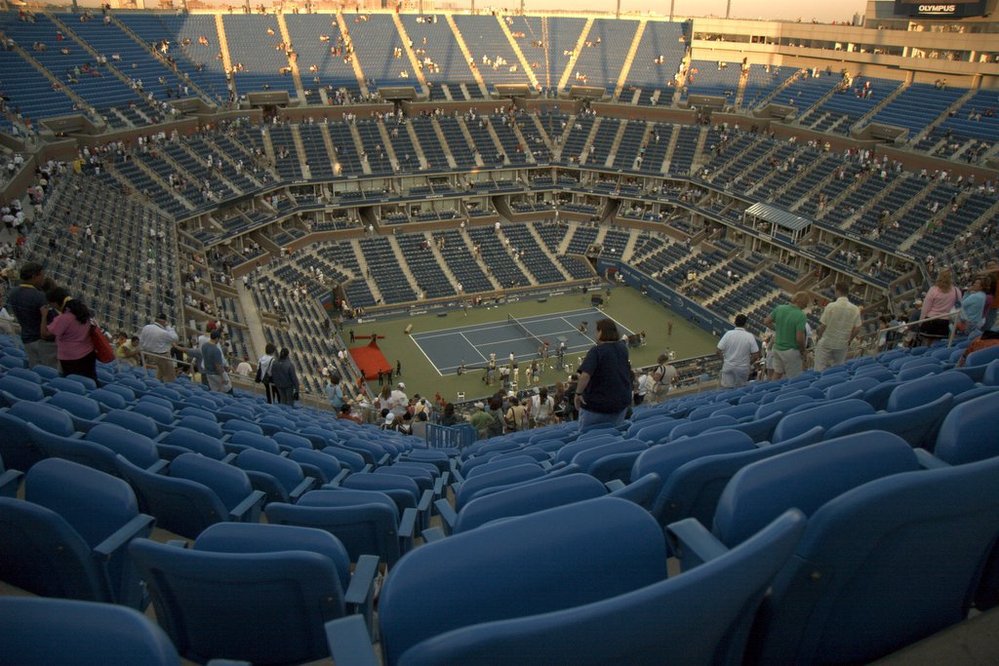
(398,401)
(159,338)
(244,369)
(838,326)
(739,350)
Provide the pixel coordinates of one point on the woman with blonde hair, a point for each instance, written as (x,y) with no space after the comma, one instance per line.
(940,300)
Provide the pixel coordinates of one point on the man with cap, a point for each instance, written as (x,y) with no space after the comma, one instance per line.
(158,338)
(480,420)
(398,401)
(25,302)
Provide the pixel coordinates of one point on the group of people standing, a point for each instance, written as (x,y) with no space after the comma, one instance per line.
(839,325)
(55,326)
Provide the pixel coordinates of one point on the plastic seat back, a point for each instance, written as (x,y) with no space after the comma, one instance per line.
(872,547)
(441,586)
(257,607)
(528,498)
(179,505)
(917,425)
(927,389)
(21,389)
(252,440)
(366,522)
(718,599)
(63,631)
(195,441)
(136,448)
(806,479)
(970,431)
(133,421)
(693,489)
(823,414)
(500,477)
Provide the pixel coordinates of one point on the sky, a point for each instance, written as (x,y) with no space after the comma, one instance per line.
(825,11)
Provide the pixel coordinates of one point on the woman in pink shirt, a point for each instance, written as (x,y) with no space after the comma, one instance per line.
(939,301)
(71,329)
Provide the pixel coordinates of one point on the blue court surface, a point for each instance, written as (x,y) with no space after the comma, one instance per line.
(471,345)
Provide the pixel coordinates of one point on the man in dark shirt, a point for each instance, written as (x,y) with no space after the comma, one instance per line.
(603,393)
(25,302)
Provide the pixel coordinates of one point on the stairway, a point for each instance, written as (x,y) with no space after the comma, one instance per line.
(524,64)
(199,91)
(364,272)
(626,68)
(443,141)
(471,142)
(476,74)
(362,82)
(420,155)
(406,45)
(585,153)
(668,157)
(303,161)
(571,65)
(292,59)
(482,265)
(404,266)
(389,150)
(359,147)
(616,144)
(328,142)
(223,44)
(544,248)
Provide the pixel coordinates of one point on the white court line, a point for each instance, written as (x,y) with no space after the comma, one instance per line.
(432,364)
(484,359)
(498,324)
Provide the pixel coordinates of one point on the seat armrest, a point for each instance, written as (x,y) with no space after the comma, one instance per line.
(248,511)
(307,483)
(614,485)
(432,534)
(692,543)
(350,643)
(407,524)
(158,467)
(338,479)
(439,484)
(229,458)
(10,480)
(927,460)
(360,594)
(384,460)
(425,501)
(139,526)
(233,448)
(312,472)
(367,468)
(642,491)
(169,451)
(447,513)
(178,543)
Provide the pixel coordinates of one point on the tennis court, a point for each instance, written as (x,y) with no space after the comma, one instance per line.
(471,346)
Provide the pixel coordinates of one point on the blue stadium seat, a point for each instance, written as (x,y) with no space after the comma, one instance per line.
(367,522)
(67,537)
(258,593)
(42,631)
(198,492)
(701,616)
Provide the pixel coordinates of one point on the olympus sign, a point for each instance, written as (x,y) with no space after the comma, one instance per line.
(938,9)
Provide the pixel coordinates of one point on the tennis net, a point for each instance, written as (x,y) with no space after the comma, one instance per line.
(510,319)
